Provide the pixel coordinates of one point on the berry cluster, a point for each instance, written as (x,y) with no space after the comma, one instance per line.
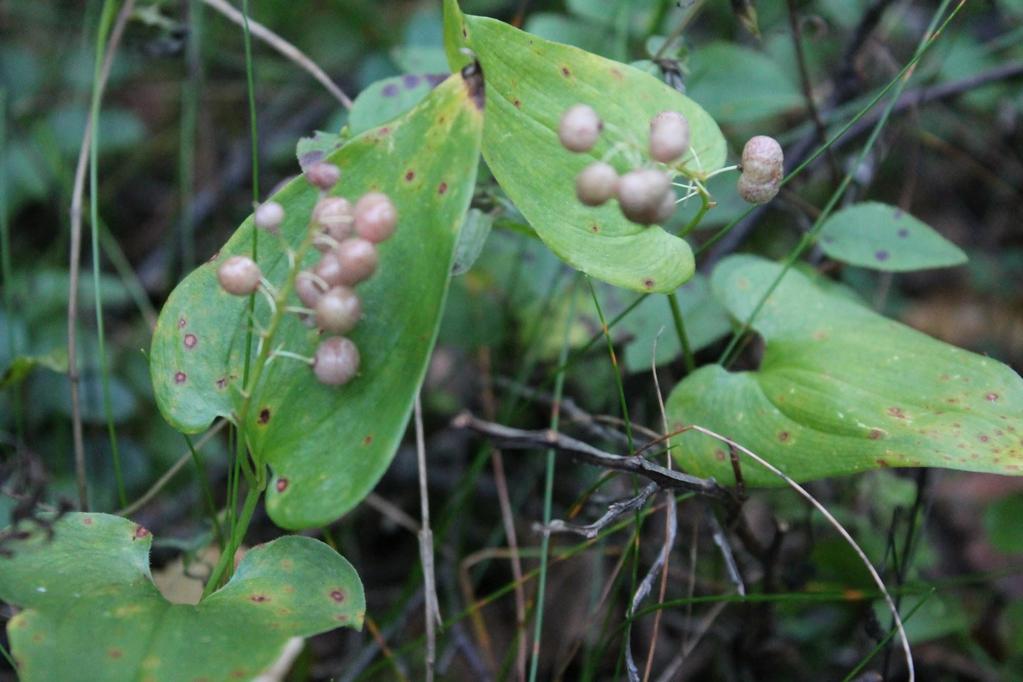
(645,195)
(762,166)
(346,237)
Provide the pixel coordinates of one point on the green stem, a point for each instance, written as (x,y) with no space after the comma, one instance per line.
(204,486)
(105,22)
(237,534)
(704,207)
(5,265)
(930,36)
(548,495)
(680,330)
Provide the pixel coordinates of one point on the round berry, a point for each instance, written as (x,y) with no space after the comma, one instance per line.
(596,183)
(269,216)
(338,310)
(762,160)
(308,289)
(669,136)
(329,269)
(757,192)
(580,126)
(323,175)
(358,259)
(239,275)
(334,216)
(641,194)
(336,361)
(375,217)
(666,209)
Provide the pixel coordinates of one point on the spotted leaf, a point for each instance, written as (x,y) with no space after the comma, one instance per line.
(92,612)
(329,446)
(842,389)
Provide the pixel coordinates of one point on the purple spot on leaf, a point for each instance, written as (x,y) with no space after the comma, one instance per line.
(881,255)
(903,232)
(897,214)
(435,79)
(410,80)
(390,90)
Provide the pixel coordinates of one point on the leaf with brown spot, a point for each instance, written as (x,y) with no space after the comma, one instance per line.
(99,616)
(868,393)
(530,83)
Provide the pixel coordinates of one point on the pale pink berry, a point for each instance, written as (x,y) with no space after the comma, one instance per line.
(323,175)
(239,275)
(667,208)
(757,192)
(336,361)
(329,269)
(375,217)
(641,194)
(338,310)
(308,289)
(762,160)
(269,216)
(334,216)
(669,136)
(596,183)
(358,259)
(580,126)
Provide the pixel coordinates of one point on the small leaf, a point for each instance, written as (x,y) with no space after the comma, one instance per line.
(55,361)
(471,239)
(842,389)
(92,611)
(314,149)
(329,446)
(530,83)
(389,98)
(882,237)
(739,85)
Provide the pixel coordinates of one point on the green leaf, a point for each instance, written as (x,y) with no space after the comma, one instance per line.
(329,446)
(320,145)
(92,611)
(389,98)
(842,389)
(530,82)
(21,366)
(471,240)
(739,85)
(882,237)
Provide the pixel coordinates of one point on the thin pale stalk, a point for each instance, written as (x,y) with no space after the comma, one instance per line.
(430,606)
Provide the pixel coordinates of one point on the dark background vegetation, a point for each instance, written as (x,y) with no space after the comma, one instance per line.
(175,182)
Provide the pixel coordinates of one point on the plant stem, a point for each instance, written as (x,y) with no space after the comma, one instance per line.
(237,534)
(680,330)
(105,22)
(548,494)
(704,207)
(204,486)
(5,266)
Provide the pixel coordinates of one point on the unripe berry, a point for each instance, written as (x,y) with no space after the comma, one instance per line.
(308,290)
(358,259)
(239,275)
(334,216)
(338,310)
(323,175)
(329,269)
(336,361)
(375,217)
(757,192)
(641,194)
(269,216)
(762,160)
(669,136)
(596,183)
(580,126)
